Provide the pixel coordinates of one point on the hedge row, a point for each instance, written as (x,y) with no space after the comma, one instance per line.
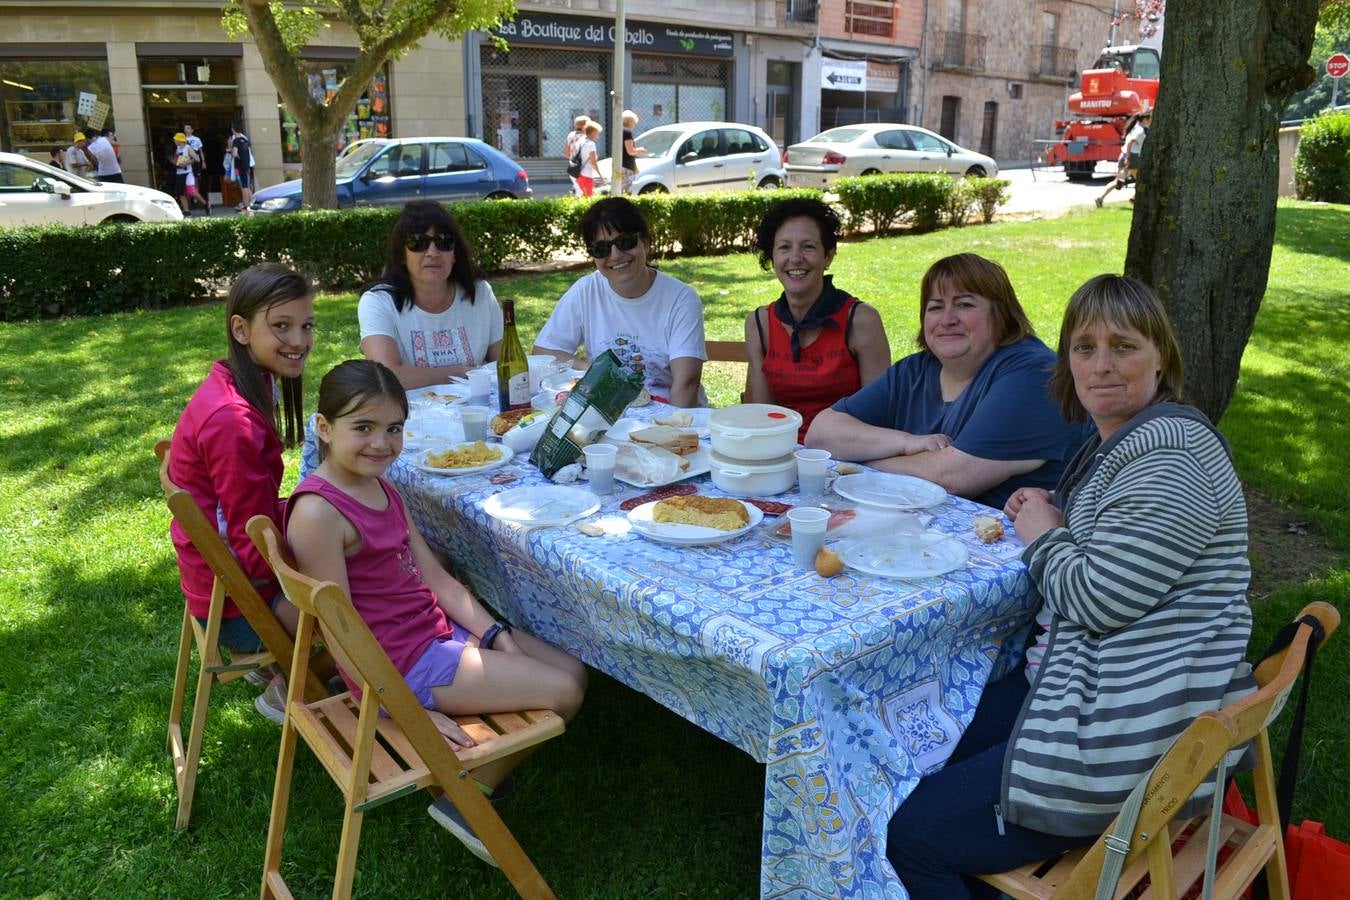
(883,202)
(1322,163)
(83,271)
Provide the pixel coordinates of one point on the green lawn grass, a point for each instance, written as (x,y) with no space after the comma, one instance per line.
(633,801)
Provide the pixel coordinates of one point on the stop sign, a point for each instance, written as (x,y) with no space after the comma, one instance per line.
(1338,65)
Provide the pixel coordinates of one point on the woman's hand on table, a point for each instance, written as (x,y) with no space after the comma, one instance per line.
(449,728)
(1032,513)
(922,443)
(1019,497)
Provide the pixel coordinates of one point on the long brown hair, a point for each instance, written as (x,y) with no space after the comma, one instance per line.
(254,292)
(415,219)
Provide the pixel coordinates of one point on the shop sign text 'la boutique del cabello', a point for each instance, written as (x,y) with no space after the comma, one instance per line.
(571,31)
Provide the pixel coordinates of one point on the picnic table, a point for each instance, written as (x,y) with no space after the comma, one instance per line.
(848,689)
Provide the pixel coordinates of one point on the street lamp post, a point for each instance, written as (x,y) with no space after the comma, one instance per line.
(616,108)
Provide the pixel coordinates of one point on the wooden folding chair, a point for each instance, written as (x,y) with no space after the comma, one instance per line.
(375,759)
(230,581)
(1172,854)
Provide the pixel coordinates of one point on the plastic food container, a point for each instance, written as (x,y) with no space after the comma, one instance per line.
(754,431)
(753,479)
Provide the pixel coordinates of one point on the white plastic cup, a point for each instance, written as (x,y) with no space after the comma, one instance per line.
(480,386)
(541,366)
(474,419)
(600,467)
(808,533)
(813,468)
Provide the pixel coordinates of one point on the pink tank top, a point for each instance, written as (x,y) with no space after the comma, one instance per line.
(386,586)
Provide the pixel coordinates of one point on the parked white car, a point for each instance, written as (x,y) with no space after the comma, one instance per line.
(34,193)
(879,147)
(705,156)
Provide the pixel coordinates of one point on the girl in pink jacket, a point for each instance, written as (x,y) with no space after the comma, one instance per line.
(226,448)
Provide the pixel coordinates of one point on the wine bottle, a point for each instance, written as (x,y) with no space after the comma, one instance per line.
(513,369)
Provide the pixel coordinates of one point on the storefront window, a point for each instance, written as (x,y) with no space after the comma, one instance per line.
(673,89)
(532,94)
(369,118)
(47,101)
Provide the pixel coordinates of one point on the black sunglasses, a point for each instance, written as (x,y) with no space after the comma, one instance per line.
(625,242)
(418,243)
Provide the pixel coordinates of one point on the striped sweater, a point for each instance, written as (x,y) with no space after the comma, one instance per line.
(1146,586)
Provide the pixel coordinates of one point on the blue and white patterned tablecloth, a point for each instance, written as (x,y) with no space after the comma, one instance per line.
(847,688)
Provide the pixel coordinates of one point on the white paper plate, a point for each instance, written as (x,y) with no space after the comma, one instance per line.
(889,490)
(686,535)
(561,381)
(547,504)
(438,394)
(922,555)
(505,457)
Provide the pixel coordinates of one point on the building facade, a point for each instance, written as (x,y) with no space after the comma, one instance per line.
(147,67)
(999,72)
(868,59)
(747,66)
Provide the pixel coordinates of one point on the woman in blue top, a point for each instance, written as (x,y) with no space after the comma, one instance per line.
(971,410)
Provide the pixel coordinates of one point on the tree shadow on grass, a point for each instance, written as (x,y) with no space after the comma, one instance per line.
(1318,229)
(86,674)
(1290,417)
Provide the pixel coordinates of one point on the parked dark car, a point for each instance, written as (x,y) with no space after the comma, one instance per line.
(395,171)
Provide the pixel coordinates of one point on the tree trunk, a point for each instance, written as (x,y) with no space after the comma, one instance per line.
(318,152)
(1204,217)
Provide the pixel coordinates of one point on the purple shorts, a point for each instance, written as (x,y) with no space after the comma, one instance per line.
(436,666)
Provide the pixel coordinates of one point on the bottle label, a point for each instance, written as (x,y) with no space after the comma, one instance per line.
(518,390)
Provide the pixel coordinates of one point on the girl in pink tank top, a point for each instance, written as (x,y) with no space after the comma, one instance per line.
(346,524)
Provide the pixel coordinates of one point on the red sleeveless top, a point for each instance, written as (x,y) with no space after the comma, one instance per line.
(825,373)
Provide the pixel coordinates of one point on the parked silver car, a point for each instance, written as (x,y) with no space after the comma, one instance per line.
(705,156)
(879,147)
(34,193)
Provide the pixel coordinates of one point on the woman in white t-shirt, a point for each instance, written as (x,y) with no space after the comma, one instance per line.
(652,322)
(430,316)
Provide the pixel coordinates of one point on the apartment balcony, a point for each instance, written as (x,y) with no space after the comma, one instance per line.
(958,50)
(1054,63)
(799,11)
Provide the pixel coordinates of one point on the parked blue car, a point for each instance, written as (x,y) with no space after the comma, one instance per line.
(395,171)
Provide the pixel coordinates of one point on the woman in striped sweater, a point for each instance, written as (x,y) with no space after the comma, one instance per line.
(1141,558)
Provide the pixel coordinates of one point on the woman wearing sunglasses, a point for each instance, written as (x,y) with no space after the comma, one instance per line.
(430,316)
(652,322)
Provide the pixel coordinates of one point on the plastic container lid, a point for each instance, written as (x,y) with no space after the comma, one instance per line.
(782,463)
(760,418)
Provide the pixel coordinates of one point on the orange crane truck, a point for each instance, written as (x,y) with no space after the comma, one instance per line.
(1123,82)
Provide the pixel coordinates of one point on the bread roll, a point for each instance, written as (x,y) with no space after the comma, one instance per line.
(987,528)
(828,563)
